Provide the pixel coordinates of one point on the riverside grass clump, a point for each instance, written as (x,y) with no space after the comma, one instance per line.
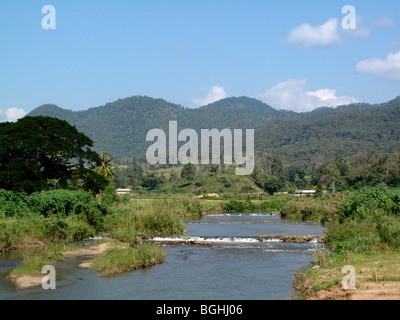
(35,260)
(127,221)
(117,260)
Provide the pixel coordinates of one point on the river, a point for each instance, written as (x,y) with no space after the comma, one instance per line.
(235,267)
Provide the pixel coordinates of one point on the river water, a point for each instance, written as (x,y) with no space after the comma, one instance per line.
(235,267)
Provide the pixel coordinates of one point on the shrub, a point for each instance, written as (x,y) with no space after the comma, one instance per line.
(289,210)
(12,203)
(234,206)
(64,203)
(108,196)
(369,198)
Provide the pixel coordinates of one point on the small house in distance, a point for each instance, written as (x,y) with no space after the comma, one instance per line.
(301,193)
(123,191)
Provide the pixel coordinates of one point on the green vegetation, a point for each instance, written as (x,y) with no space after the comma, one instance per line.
(116,260)
(363,232)
(310,208)
(55,190)
(36,259)
(306,140)
(40,153)
(52,216)
(106,169)
(248,206)
(370,221)
(60,217)
(188,172)
(120,127)
(271,175)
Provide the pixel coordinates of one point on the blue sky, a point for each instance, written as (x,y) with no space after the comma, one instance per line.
(291,54)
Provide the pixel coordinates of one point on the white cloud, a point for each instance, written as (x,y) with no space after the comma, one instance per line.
(387,69)
(292,95)
(325,35)
(13,114)
(214,94)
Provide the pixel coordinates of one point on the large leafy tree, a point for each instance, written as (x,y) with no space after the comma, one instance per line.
(35,150)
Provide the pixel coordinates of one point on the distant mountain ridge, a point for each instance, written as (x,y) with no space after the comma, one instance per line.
(120,127)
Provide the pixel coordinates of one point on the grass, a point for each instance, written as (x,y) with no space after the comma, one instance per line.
(35,260)
(146,219)
(311,208)
(115,261)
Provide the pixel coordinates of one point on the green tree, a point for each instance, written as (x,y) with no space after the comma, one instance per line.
(188,172)
(341,163)
(272,184)
(106,169)
(151,181)
(35,150)
(295,175)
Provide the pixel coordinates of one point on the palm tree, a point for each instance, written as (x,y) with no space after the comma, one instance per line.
(106,168)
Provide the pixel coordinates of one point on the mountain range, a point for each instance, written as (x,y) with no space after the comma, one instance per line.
(306,139)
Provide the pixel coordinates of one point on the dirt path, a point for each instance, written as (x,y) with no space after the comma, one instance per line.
(254,186)
(369,291)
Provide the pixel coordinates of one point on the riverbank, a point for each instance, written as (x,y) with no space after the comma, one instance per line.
(377,277)
(362,235)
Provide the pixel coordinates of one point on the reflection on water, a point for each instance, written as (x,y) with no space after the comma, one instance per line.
(233,270)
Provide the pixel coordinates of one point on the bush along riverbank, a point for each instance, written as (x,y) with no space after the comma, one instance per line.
(49,217)
(363,233)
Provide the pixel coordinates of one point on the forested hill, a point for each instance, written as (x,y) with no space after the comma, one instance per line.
(315,140)
(120,127)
